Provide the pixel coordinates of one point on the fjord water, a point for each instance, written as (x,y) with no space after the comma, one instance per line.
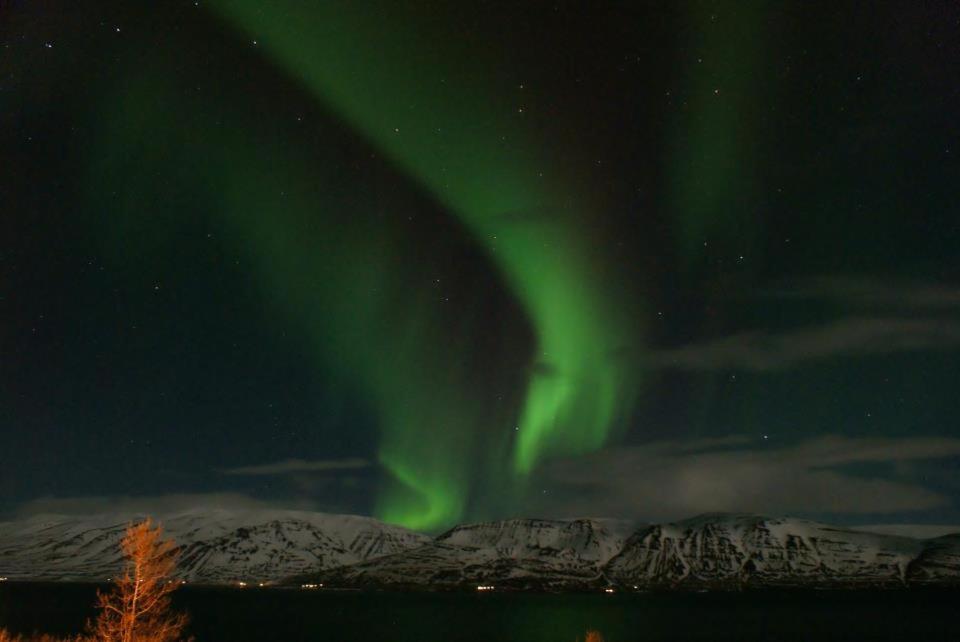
(242,615)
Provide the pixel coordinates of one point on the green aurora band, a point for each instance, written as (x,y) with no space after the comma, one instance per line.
(468,150)
(328,265)
(471,153)
(713,175)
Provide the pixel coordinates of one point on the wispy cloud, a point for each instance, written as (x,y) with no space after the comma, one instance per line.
(670,480)
(155,504)
(769,351)
(918,531)
(867,292)
(892,316)
(294,466)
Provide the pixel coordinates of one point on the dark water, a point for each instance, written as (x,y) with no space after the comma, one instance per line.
(239,615)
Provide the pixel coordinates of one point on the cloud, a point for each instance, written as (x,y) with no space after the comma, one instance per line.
(766,351)
(155,504)
(918,531)
(659,481)
(303,487)
(864,291)
(295,466)
(896,315)
(672,480)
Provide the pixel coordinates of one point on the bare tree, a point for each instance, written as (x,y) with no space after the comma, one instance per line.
(137,609)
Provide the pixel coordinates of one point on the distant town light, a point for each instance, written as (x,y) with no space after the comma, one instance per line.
(484,587)
(311,586)
(241,584)
(608,590)
(3,579)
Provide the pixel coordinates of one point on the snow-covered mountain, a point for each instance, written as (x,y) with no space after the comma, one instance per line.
(752,550)
(709,551)
(516,553)
(216,546)
(939,559)
(290,547)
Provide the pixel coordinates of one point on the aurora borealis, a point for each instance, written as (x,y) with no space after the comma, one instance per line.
(577,387)
(468,247)
(465,145)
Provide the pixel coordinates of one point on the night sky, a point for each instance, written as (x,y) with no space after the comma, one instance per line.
(447,261)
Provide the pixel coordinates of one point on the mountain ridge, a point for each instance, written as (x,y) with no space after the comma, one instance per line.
(216,547)
(291,548)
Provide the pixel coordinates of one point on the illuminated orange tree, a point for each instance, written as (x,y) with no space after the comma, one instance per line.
(137,609)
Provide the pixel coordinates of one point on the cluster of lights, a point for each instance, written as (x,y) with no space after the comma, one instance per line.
(485,587)
(241,584)
(608,590)
(311,586)
(3,579)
